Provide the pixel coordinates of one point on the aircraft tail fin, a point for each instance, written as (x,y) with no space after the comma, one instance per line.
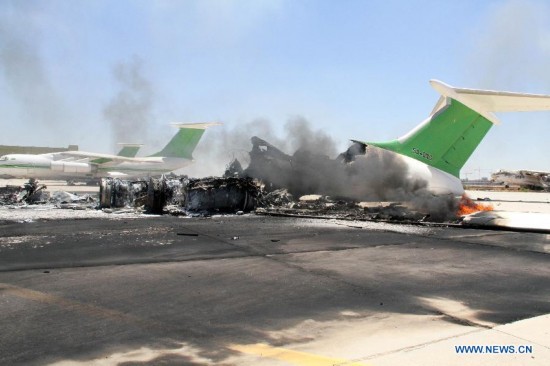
(185,140)
(458,123)
(129,150)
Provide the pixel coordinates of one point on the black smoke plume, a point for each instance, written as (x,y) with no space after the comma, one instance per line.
(313,166)
(130,112)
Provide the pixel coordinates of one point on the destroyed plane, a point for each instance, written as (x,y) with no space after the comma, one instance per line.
(427,160)
(79,164)
(438,148)
(529,179)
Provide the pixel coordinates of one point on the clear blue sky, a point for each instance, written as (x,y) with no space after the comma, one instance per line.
(355,69)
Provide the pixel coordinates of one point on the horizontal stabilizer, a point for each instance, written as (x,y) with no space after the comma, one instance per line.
(198,126)
(460,120)
(485,102)
(129,150)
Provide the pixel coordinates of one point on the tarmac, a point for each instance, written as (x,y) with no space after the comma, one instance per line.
(260,290)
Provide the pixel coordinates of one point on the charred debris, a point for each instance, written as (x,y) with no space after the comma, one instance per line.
(34,193)
(302,184)
(355,185)
(181,195)
(30,192)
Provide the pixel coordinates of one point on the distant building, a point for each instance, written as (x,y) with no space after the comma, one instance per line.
(484,181)
(6,149)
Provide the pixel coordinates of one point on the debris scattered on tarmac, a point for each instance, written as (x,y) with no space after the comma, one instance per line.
(230,194)
(33,193)
(274,183)
(233,195)
(213,195)
(181,195)
(29,193)
(8,194)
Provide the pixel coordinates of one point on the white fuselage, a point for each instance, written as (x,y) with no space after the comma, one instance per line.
(46,167)
(439,182)
(50,166)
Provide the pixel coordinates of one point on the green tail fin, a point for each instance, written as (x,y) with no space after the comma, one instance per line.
(129,150)
(460,120)
(446,140)
(184,141)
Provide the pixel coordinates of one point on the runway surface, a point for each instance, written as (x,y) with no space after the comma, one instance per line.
(257,290)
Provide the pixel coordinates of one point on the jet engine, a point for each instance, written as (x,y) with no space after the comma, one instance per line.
(70,167)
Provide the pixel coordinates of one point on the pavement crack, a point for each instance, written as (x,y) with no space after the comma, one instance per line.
(416,346)
(462,321)
(523,339)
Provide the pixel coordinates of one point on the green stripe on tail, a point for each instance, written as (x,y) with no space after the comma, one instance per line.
(182,144)
(446,141)
(129,151)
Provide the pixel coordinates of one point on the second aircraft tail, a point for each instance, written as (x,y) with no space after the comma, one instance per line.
(185,140)
(458,123)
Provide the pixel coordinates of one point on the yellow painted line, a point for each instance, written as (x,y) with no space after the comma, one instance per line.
(293,357)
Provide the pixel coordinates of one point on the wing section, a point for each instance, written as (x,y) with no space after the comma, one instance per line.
(99,158)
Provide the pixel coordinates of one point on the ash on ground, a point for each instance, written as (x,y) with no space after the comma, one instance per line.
(34,193)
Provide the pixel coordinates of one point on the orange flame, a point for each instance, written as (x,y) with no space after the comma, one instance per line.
(467,206)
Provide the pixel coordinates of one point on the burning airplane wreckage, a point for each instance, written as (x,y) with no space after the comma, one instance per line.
(358,184)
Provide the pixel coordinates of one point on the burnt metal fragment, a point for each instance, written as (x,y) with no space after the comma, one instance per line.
(221,194)
(117,193)
(204,195)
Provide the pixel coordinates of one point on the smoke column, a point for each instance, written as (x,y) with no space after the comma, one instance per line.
(311,169)
(222,144)
(129,113)
(21,63)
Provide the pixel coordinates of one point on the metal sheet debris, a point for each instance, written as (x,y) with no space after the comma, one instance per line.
(117,193)
(221,194)
(29,193)
(181,195)
(273,183)
(507,220)
(34,195)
